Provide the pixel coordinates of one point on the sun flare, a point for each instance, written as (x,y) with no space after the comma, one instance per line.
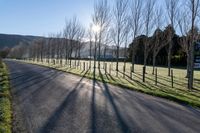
(96,28)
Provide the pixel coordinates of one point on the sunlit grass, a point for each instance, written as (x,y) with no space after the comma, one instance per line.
(5,103)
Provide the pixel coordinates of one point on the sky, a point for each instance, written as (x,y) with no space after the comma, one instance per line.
(42,17)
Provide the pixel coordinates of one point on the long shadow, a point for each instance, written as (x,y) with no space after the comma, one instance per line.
(176,80)
(139,83)
(157,87)
(107,76)
(140,75)
(110,77)
(93,106)
(44,82)
(53,119)
(123,125)
(29,78)
(195,90)
(197,80)
(30,72)
(160,111)
(165,110)
(167,80)
(34,77)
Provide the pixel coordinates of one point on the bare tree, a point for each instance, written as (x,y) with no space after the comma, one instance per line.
(76,51)
(66,41)
(61,47)
(34,51)
(57,46)
(148,26)
(90,35)
(40,47)
(194,9)
(101,20)
(107,41)
(158,36)
(171,6)
(95,51)
(37,50)
(184,26)
(79,39)
(49,48)
(19,51)
(70,33)
(53,49)
(127,40)
(136,25)
(120,18)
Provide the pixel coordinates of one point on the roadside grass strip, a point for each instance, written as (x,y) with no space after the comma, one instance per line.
(5,101)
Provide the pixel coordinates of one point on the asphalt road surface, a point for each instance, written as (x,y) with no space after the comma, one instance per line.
(46,100)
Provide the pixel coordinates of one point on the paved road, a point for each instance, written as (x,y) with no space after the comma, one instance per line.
(47,100)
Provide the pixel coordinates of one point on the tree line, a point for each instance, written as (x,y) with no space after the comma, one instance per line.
(143,25)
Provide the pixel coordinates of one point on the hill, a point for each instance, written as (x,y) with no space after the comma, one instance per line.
(9,40)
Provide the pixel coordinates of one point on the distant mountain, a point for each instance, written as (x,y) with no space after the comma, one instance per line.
(9,40)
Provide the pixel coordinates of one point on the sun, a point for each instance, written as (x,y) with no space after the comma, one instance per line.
(96,28)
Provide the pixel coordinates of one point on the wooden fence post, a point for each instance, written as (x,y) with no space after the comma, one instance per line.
(188,77)
(156,78)
(131,72)
(84,66)
(124,71)
(143,75)
(54,62)
(61,63)
(105,67)
(110,69)
(172,78)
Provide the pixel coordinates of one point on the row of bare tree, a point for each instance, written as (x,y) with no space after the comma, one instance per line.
(120,25)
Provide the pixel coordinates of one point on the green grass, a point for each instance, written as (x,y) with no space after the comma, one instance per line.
(5,102)
(179,93)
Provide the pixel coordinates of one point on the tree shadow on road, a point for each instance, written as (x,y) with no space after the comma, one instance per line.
(67,103)
(29,81)
(93,106)
(123,125)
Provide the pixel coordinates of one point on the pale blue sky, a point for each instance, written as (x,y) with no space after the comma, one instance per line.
(41,17)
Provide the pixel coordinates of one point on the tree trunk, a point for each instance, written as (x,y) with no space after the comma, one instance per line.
(76,57)
(90,54)
(99,50)
(191,69)
(169,58)
(79,55)
(133,62)
(133,57)
(70,56)
(117,59)
(154,63)
(188,60)
(95,53)
(191,52)
(145,57)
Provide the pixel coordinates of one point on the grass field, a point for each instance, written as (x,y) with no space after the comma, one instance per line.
(178,93)
(5,101)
